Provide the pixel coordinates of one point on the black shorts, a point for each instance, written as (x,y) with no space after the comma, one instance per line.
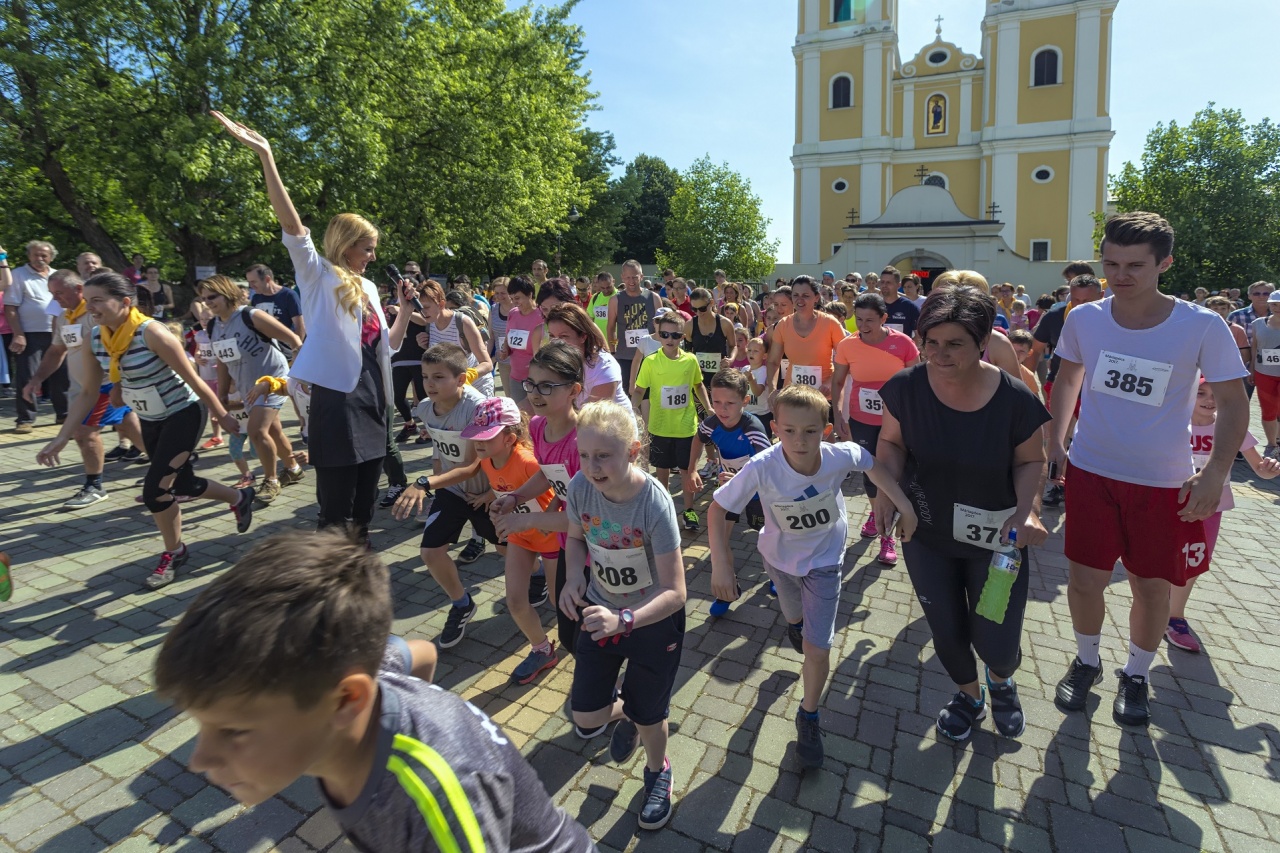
(449,512)
(670,452)
(652,655)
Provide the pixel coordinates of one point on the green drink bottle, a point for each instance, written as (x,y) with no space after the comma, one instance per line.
(1001,573)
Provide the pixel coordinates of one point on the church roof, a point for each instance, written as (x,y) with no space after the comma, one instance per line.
(924,206)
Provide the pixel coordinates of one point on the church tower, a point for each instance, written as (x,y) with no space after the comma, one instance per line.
(1017,135)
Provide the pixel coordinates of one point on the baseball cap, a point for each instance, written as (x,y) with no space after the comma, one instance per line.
(491,417)
(828,273)
(1274,297)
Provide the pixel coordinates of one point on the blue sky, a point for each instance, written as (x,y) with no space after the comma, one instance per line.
(681,78)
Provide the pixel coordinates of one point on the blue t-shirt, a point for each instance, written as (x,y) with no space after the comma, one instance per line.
(283,305)
(743,440)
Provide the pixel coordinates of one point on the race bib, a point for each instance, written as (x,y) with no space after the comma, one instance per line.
(241,416)
(733,466)
(1138,380)
(624,571)
(674,396)
(869,402)
(526,507)
(145,401)
(449,446)
(602,311)
(806,374)
(73,335)
(1199,460)
(1266,357)
(632,337)
(817,514)
(896,327)
(227,351)
(559,477)
(205,351)
(980,527)
(709,362)
(518,339)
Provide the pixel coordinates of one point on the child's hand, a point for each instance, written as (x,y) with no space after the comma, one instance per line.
(693,480)
(725,476)
(502,506)
(601,622)
(262,389)
(571,597)
(1268,468)
(481,501)
(724,585)
(408,504)
(505,525)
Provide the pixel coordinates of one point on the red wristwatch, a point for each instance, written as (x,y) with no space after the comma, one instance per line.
(628,621)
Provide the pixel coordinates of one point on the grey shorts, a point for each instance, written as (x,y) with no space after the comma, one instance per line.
(812,598)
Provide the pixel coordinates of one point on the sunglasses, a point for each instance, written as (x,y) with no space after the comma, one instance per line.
(701,308)
(671,336)
(542,389)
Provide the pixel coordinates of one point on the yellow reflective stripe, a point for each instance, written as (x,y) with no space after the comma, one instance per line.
(448,780)
(426,803)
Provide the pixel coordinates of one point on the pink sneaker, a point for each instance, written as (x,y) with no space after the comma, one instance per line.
(888,553)
(869,529)
(1179,634)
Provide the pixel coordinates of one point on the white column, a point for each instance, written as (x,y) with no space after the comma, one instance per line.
(870,194)
(813,94)
(1008,73)
(908,114)
(875,11)
(810,209)
(813,15)
(966,111)
(1081,198)
(872,90)
(1085,74)
(1004,192)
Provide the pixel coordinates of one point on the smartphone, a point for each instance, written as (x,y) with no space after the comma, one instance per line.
(1053,471)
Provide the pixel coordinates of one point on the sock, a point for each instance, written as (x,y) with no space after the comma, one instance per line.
(1139,662)
(808,715)
(541,572)
(93,480)
(180,550)
(465,601)
(543,648)
(1087,648)
(126,443)
(993,683)
(296,467)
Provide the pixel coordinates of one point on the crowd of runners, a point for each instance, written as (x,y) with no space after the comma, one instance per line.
(556,412)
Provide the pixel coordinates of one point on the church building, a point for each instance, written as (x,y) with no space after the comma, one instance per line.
(946,159)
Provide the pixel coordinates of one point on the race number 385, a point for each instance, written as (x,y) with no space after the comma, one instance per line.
(1127,377)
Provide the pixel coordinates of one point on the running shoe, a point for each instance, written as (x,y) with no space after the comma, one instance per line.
(534,665)
(1179,634)
(166,570)
(135,456)
(1132,704)
(243,510)
(691,521)
(389,499)
(888,553)
(773,589)
(711,469)
(87,496)
(212,442)
(270,491)
(808,740)
(656,810)
(718,608)
(623,741)
(405,433)
(245,481)
(116,453)
(471,553)
(795,633)
(288,478)
(958,717)
(422,439)
(1053,495)
(537,590)
(455,625)
(1006,709)
(869,528)
(1073,690)
(24,427)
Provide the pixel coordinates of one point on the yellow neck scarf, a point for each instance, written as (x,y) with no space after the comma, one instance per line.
(75,313)
(117,342)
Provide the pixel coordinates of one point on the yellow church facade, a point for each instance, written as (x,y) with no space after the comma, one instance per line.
(1017,135)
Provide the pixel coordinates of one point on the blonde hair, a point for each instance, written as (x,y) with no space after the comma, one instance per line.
(608,418)
(343,232)
(962,278)
(804,398)
(224,287)
(1019,305)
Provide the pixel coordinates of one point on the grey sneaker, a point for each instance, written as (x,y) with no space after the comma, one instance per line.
(87,496)
(166,570)
(534,665)
(808,740)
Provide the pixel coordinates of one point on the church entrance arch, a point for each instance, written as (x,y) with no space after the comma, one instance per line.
(919,261)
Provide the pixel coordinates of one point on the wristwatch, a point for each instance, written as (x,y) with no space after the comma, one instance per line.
(628,621)
(423,483)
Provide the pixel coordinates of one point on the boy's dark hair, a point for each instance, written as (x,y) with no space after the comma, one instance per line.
(1085,280)
(670,318)
(1138,228)
(1044,303)
(1022,336)
(295,615)
(967,307)
(1076,268)
(451,356)
(732,380)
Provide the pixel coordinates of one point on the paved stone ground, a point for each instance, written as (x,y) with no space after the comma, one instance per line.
(90,759)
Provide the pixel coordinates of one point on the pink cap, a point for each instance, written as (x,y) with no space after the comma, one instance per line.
(491,416)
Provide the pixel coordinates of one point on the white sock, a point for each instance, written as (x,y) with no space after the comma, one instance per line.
(1087,648)
(1139,662)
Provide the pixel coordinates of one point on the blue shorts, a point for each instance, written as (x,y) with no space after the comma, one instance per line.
(104,414)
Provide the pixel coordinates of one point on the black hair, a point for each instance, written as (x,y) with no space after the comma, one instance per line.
(967,307)
(871,300)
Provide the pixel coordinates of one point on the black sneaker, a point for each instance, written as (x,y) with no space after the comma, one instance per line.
(957,718)
(808,740)
(135,456)
(656,810)
(407,432)
(117,453)
(691,521)
(244,510)
(1132,706)
(1053,495)
(389,499)
(456,625)
(1006,710)
(795,633)
(623,741)
(472,552)
(1073,689)
(537,590)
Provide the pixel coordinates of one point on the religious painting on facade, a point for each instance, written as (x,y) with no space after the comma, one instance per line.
(935,120)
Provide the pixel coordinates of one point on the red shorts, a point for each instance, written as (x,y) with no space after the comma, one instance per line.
(1048,398)
(1268,395)
(1109,520)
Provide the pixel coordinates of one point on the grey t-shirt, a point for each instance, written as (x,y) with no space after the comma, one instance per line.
(30,294)
(1265,338)
(246,355)
(634,312)
(648,520)
(453,450)
(484,788)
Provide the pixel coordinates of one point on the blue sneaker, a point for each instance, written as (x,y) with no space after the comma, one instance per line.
(656,810)
(534,665)
(719,607)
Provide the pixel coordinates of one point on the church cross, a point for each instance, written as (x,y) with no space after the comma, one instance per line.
(993,211)
(922,173)
(853,216)
(939,20)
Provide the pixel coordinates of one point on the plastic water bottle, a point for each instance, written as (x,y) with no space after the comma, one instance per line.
(1002,571)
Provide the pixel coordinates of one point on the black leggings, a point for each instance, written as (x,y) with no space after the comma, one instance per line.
(865,436)
(948,589)
(393,462)
(346,494)
(166,440)
(566,627)
(401,376)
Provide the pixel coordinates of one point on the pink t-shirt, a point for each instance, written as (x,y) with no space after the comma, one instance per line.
(559,460)
(523,325)
(1202,446)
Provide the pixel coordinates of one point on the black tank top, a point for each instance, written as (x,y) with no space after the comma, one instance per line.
(715,342)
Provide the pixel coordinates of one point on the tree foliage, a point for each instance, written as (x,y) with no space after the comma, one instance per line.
(645,191)
(1217,181)
(447,123)
(715,222)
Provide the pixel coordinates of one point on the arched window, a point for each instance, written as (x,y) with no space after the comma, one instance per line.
(841,91)
(937,179)
(842,10)
(1044,67)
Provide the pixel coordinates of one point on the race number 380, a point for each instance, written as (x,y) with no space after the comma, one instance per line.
(1127,377)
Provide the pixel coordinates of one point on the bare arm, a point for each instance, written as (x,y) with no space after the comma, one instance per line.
(726,327)
(299,328)
(775,360)
(1002,355)
(839,373)
(1203,490)
(276,192)
(484,364)
(274,329)
(1066,390)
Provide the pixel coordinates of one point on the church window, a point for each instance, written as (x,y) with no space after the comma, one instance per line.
(1044,67)
(842,10)
(1039,250)
(935,114)
(841,91)
(840,185)
(936,180)
(938,57)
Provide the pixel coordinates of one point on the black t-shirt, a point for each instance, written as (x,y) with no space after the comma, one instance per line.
(904,313)
(959,457)
(1047,332)
(283,305)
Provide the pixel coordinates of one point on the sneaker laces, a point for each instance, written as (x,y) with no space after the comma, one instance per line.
(166,561)
(810,728)
(1179,626)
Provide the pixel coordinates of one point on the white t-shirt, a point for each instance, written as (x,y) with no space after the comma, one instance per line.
(1140,388)
(918,301)
(805,521)
(605,370)
(29,293)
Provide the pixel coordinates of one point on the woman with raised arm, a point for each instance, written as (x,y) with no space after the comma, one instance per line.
(347,356)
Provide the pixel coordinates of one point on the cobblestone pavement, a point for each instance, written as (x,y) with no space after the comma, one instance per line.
(90,759)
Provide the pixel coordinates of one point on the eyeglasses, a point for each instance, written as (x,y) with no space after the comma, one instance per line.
(670,336)
(542,389)
(701,307)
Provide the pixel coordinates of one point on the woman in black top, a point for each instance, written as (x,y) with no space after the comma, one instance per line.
(964,439)
(714,348)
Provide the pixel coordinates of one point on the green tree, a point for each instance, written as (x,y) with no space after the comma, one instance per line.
(715,222)
(1217,181)
(645,190)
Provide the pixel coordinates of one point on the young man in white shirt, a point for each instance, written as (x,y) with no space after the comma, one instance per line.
(1138,357)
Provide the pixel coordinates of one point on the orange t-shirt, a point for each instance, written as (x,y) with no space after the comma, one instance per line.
(812,350)
(870,366)
(521,465)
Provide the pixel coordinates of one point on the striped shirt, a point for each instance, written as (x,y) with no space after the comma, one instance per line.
(450,335)
(150,386)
